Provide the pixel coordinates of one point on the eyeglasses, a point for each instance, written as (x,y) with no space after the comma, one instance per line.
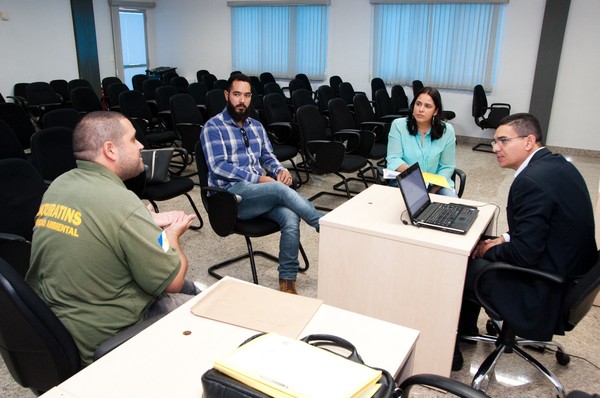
(502,141)
(238,94)
(246,141)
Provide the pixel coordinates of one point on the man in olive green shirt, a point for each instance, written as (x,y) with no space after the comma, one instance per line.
(99,259)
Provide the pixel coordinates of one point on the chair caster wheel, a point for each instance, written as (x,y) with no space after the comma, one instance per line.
(562,358)
(490,329)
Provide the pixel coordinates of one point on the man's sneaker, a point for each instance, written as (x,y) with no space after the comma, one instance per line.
(288,286)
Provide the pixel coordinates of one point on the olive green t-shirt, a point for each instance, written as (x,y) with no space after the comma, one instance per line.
(98,259)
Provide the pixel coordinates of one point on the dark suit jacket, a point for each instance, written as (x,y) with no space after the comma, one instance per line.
(551,226)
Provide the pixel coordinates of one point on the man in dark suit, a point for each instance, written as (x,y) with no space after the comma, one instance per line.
(551,228)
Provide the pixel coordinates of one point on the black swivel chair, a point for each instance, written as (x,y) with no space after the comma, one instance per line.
(487,117)
(84,99)
(215,102)
(137,82)
(577,301)
(188,122)
(399,100)
(417,86)
(384,108)
(37,349)
(112,95)
(221,207)
(377,83)
(61,87)
(334,83)
(324,95)
(324,155)
(64,117)
(42,98)
(10,147)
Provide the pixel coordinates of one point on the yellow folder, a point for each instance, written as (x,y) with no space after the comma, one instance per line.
(435,179)
(283,367)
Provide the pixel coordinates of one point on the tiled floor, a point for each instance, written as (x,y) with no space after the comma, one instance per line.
(486,182)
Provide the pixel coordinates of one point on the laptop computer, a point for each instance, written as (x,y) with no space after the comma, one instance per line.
(449,217)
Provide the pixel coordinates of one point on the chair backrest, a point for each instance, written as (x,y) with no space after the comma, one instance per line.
(479,101)
(114,91)
(273,88)
(417,86)
(137,82)
(347,92)
(75,83)
(221,84)
(61,87)
(215,102)
(84,100)
(37,349)
(334,83)
(580,297)
(187,120)
(133,104)
(399,98)
(302,97)
(15,250)
(107,81)
(163,96)
(304,79)
(209,80)
(15,116)
(10,147)
(20,196)
(52,151)
(340,116)
(383,103)
(149,87)
(20,90)
(311,124)
(41,93)
(324,95)
(266,77)
(276,108)
(63,117)
(180,82)
(296,84)
(198,91)
(201,73)
(362,109)
(377,83)
(256,84)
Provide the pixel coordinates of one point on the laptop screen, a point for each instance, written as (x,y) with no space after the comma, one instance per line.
(413,189)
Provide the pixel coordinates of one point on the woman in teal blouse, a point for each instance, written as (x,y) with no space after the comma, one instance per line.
(422,137)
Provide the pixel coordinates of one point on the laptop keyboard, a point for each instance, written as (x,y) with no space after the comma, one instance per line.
(444,215)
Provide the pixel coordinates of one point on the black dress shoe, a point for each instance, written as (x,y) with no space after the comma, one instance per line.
(457,361)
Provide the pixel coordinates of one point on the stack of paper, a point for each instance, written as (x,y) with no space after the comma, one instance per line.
(283,367)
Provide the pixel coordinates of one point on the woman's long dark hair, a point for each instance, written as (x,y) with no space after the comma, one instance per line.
(438,127)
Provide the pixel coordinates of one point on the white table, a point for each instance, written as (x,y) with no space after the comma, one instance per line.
(373,264)
(163,362)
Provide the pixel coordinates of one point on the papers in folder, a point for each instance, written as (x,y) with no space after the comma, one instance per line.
(430,178)
(283,368)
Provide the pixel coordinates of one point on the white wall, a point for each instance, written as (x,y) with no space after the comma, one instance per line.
(196,34)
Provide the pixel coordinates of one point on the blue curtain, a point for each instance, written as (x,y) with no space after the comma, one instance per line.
(444,45)
(283,40)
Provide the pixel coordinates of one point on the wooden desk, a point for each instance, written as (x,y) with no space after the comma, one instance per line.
(163,362)
(373,264)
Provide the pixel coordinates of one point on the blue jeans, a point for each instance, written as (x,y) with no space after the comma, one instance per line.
(286,207)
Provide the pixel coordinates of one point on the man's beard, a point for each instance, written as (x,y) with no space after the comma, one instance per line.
(237,115)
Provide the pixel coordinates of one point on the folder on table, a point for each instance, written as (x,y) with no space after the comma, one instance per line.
(283,367)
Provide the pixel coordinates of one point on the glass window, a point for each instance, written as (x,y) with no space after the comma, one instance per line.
(283,40)
(444,45)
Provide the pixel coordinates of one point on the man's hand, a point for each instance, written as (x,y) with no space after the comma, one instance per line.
(180,224)
(285,177)
(485,245)
(166,218)
(262,179)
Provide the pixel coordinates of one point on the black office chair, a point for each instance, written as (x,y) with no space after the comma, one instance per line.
(209,80)
(215,102)
(20,196)
(487,117)
(188,122)
(198,91)
(324,95)
(384,108)
(221,207)
(180,82)
(10,147)
(64,117)
(399,100)
(324,155)
(377,83)
(84,99)
(137,82)
(41,98)
(19,121)
(61,87)
(52,152)
(437,382)
(576,302)
(334,83)
(417,86)
(37,349)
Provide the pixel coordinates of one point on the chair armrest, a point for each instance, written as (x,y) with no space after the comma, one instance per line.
(280,132)
(379,128)
(500,104)
(18,100)
(505,267)
(121,337)
(444,383)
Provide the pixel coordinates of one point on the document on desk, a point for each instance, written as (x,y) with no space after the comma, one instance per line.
(430,178)
(257,307)
(283,368)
